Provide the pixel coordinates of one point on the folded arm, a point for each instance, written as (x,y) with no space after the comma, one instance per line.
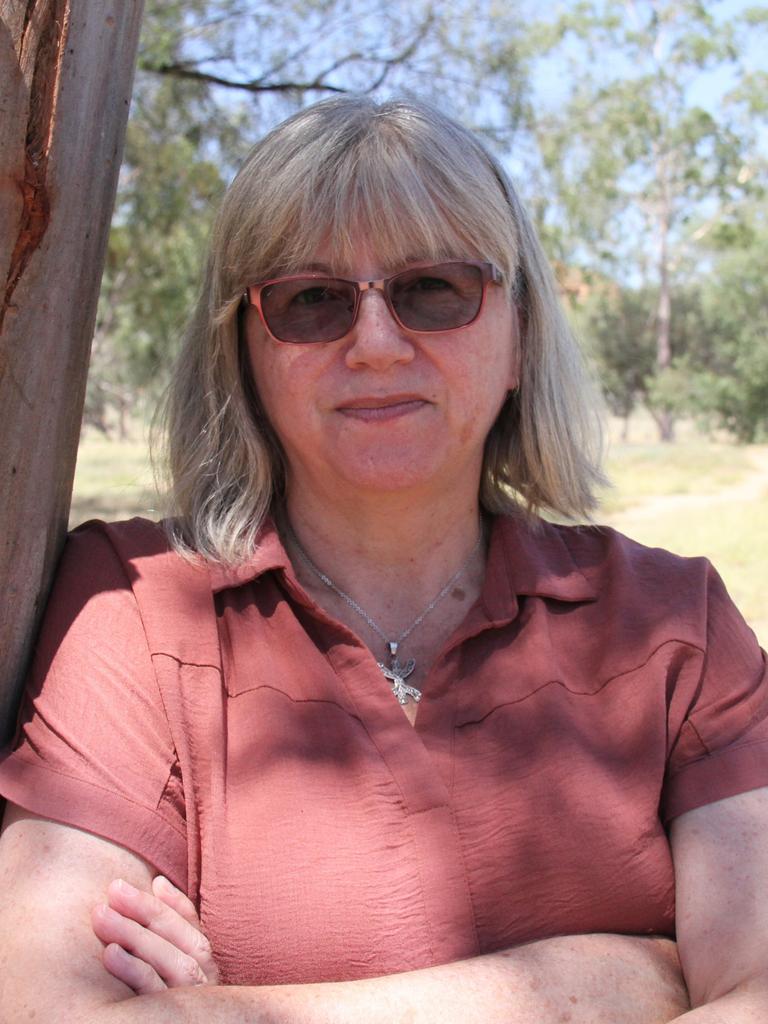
(583,979)
(720,853)
(53,875)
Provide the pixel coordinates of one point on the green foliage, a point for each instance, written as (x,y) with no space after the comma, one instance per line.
(732,386)
(159,231)
(639,178)
(719,341)
(668,390)
(755,16)
(618,337)
(627,155)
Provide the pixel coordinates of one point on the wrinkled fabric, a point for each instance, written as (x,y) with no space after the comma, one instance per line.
(220,725)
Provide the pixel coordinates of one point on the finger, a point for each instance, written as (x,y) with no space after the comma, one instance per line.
(176,968)
(147,910)
(178,900)
(175,899)
(134,973)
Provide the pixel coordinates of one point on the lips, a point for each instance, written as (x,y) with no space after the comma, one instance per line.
(380,401)
(381,407)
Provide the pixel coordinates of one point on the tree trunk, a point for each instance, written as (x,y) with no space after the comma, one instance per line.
(664,417)
(66,69)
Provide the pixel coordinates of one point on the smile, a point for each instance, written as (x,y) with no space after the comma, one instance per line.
(374,410)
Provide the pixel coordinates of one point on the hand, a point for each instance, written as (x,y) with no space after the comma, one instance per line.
(153,941)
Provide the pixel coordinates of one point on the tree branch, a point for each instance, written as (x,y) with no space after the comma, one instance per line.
(257,86)
(189,70)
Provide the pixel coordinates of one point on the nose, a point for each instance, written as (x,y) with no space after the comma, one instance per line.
(377,340)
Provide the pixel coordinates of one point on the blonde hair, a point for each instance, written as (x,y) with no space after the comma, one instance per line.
(422,186)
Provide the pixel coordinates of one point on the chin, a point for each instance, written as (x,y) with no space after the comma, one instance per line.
(397,471)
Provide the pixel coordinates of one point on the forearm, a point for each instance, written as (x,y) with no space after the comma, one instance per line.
(636,981)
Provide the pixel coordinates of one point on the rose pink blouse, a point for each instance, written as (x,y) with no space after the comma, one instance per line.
(220,725)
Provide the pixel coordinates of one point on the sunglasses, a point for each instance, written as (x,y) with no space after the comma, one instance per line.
(427,299)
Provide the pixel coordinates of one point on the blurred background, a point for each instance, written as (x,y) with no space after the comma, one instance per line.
(637,133)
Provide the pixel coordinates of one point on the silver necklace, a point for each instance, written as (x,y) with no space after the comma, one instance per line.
(395,672)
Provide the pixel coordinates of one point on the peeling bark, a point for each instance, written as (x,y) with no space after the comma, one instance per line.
(42,41)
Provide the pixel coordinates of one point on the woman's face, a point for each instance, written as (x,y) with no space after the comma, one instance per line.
(384,409)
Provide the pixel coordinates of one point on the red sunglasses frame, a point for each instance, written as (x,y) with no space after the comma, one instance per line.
(490,274)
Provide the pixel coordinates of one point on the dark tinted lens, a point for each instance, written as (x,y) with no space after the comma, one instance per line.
(308,309)
(438,298)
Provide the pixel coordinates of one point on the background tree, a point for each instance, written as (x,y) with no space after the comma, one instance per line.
(617,332)
(636,162)
(730,385)
(162,217)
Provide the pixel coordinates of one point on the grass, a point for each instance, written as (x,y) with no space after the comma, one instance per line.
(638,472)
(113,480)
(689,497)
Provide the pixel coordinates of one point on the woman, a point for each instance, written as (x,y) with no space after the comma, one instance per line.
(409,749)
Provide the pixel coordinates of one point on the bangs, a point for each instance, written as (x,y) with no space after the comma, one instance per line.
(394,184)
(405,208)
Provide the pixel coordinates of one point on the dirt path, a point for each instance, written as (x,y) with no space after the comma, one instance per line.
(753,487)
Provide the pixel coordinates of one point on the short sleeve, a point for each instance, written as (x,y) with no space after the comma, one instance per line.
(93,747)
(718,716)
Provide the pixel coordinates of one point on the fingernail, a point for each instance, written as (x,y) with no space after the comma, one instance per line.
(125,887)
(106,912)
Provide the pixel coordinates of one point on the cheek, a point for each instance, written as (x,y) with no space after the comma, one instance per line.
(271,374)
(485,389)
(289,381)
(498,368)
(490,380)
(278,404)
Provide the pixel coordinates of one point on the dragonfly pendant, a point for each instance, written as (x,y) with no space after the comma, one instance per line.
(397,674)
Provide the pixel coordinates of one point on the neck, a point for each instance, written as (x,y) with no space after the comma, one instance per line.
(392,554)
(392,535)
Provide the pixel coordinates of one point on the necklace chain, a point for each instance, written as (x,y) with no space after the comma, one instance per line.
(394,672)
